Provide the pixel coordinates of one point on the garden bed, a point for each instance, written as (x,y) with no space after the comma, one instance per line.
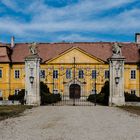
(131,109)
(12,111)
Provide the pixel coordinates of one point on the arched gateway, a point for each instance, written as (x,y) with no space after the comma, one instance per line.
(74,91)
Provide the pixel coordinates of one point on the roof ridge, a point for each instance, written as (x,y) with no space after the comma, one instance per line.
(75,42)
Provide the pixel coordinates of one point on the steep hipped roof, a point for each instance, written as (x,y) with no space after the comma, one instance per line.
(4,53)
(101,50)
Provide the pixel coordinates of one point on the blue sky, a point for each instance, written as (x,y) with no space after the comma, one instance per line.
(69,20)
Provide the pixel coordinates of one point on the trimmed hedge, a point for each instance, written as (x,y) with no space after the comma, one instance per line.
(50,98)
(46,96)
(102,97)
(131,97)
(44,88)
(19,97)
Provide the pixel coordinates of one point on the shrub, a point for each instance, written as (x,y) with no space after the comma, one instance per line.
(91,98)
(44,88)
(131,97)
(50,98)
(46,96)
(104,94)
(11,97)
(102,97)
(18,97)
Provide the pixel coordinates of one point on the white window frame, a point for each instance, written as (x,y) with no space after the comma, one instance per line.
(55,74)
(55,91)
(81,74)
(16,91)
(68,74)
(17,76)
(133,91)
(95,74)
(134,76)
(42,76)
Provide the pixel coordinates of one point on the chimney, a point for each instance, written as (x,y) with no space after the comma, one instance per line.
(137,37)
(12,42)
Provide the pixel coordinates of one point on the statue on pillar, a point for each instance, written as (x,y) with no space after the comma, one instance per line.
(33,48)
(32,77)
(116,78)
(117,49)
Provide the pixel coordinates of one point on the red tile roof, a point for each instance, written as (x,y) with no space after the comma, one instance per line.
(4,53)
(101,50)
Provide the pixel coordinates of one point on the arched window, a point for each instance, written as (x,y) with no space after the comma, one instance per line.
(68,73)
(81,74)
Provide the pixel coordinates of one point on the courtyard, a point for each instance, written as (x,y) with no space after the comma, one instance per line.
(72,123)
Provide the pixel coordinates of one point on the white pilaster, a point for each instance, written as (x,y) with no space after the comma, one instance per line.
(116,68)
(32,68)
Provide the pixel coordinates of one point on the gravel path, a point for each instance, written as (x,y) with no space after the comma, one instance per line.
(72,123)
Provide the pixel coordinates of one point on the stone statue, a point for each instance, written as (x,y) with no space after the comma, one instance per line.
(117,49)
(33,48)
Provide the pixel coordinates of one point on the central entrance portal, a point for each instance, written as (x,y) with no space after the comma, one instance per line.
(74,91)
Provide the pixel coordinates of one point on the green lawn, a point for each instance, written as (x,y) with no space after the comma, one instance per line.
(132,109)
(12,111)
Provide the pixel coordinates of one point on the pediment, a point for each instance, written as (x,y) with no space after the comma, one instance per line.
(80,57)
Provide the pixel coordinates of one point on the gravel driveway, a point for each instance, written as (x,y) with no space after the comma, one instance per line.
(72,123)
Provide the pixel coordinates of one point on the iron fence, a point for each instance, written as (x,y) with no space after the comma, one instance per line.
(67,101)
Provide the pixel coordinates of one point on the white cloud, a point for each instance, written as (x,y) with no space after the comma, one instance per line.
(73,38)
(78,17)
(81,10)
(9,4)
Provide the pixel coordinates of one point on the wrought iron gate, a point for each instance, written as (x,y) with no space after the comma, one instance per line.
(67,101)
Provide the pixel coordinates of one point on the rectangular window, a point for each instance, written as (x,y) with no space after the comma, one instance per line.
(55,74)
(0,73)
(133,91)
(68,73)
(17,74)
(0,93)
(106,74)
(93,74)
(17,91)
(55,91)
(81,74)
(42,74)
(133,74)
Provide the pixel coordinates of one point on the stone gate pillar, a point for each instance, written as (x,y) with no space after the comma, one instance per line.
(116,79)
(32,80)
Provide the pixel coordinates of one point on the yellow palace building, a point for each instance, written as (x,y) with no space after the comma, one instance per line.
(83,64)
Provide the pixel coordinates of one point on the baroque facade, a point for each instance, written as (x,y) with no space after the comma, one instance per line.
(64,65)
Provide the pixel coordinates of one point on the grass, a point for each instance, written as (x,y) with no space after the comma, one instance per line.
(131,109)
(12,111)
